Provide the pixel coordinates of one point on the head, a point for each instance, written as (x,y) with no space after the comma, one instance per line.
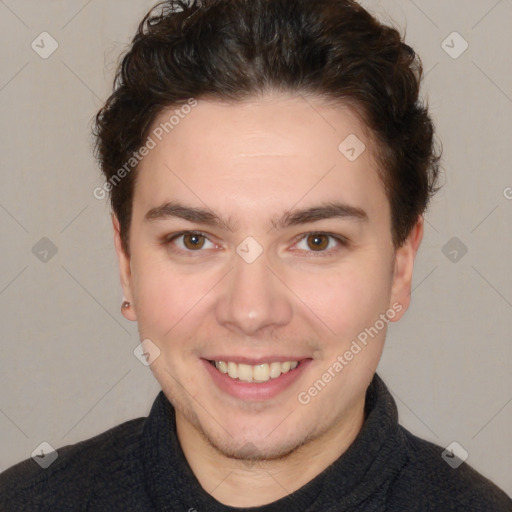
(289,138)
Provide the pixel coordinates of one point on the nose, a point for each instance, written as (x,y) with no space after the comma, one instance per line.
(253,299)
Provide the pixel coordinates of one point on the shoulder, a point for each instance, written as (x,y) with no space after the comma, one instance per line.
(79,472)
(429,482)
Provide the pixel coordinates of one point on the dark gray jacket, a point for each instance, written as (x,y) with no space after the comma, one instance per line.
(139,466)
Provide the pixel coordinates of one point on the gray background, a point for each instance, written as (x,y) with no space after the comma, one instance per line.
(67,366)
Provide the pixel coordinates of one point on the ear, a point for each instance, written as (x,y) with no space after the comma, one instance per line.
(404,263)
(124,270)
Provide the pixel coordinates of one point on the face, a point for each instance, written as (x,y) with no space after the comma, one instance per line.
(260,249)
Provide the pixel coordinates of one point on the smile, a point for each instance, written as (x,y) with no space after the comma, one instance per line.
(262,380)
(254,373)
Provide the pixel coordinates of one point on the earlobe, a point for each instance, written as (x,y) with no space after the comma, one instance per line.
(404,265)
(124,272)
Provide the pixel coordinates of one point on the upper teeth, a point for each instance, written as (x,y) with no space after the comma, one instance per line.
(257,373)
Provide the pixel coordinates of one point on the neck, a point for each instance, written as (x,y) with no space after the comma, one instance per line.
(240,483)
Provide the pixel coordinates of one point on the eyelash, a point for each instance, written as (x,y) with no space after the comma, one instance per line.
(343,242)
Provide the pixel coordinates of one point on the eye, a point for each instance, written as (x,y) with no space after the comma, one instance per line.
(321,242)
(315,242)
(189,241)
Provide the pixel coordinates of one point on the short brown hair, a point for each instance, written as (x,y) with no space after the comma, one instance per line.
(232,50)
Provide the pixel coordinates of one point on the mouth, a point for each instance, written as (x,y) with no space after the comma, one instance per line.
(258,373)
(260,381)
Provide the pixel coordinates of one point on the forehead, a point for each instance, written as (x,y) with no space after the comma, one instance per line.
(260,153)
(273,125)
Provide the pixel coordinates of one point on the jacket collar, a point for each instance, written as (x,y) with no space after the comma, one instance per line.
(362,473)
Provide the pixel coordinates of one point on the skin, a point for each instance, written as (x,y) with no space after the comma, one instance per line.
(251,162)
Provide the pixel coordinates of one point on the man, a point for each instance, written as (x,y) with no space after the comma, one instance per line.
(269,164)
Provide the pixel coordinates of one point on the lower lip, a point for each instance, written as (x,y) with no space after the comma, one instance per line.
(257,391)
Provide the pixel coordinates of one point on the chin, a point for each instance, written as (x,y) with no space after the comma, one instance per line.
(258,449)
(272,440)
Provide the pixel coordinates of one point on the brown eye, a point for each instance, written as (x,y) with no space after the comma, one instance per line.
(193,241)
(318,241)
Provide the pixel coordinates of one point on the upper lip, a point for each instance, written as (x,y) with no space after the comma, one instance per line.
(256,361)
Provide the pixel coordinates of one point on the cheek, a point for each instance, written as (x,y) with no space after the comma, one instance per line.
(165,295)
(346,299)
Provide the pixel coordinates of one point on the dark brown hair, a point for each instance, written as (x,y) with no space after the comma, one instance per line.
(233,50)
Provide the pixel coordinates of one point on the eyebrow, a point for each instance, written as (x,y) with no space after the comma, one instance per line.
(289,218)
